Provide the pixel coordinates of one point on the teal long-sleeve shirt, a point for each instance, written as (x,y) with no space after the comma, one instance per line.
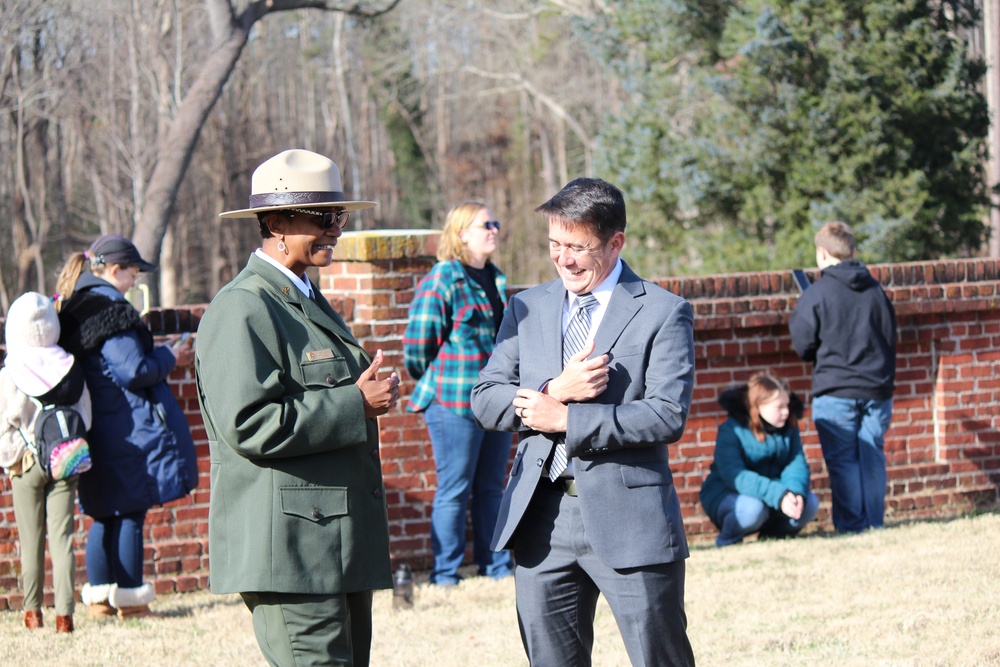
(763,470)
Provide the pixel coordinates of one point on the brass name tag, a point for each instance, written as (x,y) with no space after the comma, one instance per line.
(319,355)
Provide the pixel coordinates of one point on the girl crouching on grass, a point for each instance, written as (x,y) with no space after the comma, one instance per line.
(759,480)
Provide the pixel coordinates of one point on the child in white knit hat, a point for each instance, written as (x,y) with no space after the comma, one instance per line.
(38,371)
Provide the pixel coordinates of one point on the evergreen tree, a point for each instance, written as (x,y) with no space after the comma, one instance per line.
(754,122)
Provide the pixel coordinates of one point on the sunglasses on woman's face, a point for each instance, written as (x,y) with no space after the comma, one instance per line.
(490,224)
(328,219)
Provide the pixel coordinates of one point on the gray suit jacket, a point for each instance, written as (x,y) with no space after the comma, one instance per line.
(617,441)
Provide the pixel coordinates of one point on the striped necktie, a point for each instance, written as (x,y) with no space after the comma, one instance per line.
(573,341)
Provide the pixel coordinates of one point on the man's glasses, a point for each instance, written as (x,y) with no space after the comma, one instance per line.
(490,224)
(328,219)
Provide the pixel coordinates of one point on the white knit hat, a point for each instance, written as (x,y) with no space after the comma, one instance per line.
(34,360)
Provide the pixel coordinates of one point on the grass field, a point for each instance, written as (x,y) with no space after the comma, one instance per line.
(922,595)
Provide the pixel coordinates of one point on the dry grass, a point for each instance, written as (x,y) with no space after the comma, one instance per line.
(919,595)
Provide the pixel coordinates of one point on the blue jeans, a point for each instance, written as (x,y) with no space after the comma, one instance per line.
(852,435)
(739,515)
(470,462)
(114,550)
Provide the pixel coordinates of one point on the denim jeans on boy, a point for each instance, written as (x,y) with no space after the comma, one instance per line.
(852,435)
(739,516)
(114,551)
(472,463)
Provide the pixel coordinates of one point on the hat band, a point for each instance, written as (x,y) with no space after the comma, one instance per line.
(294,198)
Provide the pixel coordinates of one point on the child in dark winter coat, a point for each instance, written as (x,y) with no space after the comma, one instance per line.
(759,480)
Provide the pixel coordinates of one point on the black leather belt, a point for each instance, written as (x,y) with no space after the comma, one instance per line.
(565,485)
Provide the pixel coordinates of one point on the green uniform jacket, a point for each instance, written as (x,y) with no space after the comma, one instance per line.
(298,504)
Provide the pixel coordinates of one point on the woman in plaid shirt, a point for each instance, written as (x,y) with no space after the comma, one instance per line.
(453,324)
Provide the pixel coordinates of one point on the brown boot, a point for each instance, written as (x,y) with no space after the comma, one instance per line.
(132,602)
(97,599)
(141,611)
(64,624)
(33,619)
(101,610)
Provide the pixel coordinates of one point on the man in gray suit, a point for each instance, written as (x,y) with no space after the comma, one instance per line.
(590,507)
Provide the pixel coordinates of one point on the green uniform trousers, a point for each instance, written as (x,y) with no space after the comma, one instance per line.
(301,630)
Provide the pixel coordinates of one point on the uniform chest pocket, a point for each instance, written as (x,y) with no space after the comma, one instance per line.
(314,503)
(330,372)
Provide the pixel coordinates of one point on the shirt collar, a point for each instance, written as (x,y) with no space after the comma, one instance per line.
(300,282)
(603,291)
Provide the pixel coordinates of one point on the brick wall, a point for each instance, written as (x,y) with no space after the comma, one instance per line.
(943,447)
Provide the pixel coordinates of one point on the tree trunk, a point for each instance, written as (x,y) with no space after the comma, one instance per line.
(345,107)
(176,148)
(174,154)
(991,39)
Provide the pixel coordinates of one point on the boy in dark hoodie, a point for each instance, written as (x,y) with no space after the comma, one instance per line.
(846,326)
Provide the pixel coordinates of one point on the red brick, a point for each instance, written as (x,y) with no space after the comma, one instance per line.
(188,583)
(164,586)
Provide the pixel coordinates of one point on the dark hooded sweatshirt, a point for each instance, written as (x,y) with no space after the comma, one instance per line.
(845,324)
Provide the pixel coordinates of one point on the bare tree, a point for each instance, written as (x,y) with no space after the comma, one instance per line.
(30,84)
(230,32)
(146,117)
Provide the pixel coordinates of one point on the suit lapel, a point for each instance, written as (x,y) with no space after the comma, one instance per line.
(552,312)
(321,314)
(622,308)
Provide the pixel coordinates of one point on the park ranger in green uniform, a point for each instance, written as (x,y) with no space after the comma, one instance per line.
(297,522)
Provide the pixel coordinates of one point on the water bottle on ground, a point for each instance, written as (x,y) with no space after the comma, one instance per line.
(402,588)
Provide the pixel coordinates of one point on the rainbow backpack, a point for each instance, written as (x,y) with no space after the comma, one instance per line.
(60,446)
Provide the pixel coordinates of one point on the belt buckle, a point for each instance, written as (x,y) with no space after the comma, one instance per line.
(570,486)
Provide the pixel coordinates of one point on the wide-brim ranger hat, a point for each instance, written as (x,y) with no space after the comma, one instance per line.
(296,179)
(116,249)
